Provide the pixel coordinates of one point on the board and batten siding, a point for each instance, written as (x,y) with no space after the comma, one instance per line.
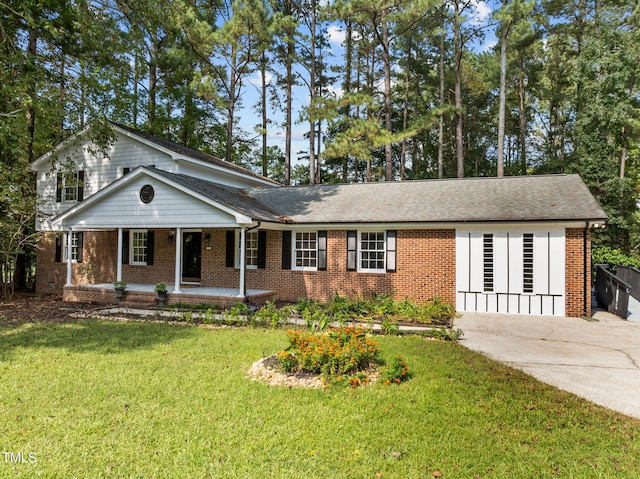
(493,276)
(169,208)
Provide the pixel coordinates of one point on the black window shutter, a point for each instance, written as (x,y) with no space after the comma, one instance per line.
(262,249)
(392,236)
(125,171)
(80,236)
(80,185)
(230,255)
(286,250)
(125,247)
(58,187)
(58,257)
(322,250)
(352,250)
(150,247)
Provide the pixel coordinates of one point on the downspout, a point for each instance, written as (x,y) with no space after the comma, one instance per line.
(587,294)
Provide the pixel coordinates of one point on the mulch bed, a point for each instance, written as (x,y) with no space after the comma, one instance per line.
(29,308)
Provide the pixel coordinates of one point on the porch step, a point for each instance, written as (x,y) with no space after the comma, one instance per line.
(137,304)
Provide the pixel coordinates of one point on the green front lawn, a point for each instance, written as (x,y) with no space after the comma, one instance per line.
(130,399)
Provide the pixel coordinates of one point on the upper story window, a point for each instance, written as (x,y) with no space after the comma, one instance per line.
(70,186)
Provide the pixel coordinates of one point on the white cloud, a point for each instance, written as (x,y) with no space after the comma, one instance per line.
(481,12)
(256,80)
(337,91)
(488,45)
(336,35)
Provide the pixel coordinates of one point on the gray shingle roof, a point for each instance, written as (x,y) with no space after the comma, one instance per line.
(515,198)
(523,198)
(236,199)
(190,152)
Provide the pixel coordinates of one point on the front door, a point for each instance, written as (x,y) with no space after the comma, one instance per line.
(191,256)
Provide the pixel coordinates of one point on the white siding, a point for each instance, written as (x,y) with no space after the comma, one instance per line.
(101,171)
(508,294)
(170,207)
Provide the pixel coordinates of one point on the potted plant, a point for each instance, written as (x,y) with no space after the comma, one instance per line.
(161,289)
(119,286)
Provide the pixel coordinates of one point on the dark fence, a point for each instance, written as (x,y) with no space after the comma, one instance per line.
(612,292)
(631,276)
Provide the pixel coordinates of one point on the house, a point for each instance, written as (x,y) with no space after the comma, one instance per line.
(151,211)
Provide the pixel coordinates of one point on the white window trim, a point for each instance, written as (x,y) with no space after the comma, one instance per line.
(76,180)
(74,247)
(361,269)
(131,251)
(294,250)
(237,248)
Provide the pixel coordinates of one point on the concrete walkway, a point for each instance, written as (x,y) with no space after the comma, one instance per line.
(598,360)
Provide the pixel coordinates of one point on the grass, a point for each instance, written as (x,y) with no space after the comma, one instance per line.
(130,399)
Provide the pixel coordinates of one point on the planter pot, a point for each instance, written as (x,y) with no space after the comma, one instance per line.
(162,297)
(119,294)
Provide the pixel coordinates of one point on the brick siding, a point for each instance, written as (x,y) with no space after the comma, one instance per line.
(425,267)
(574,275)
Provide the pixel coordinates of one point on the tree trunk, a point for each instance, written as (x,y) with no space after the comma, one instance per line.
(153,83)
(289,103)
(523,118)
(263,77)
(457,36)
(441,119)
(405,118)
(503,96)
(312,88)
(386,61)
(232,103)
(32,51)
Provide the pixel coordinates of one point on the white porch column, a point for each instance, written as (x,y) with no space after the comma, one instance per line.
(69,256)
(243,259)
(178,276)
(119,263)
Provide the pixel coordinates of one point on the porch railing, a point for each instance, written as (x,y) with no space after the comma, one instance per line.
(612,292)
(631,276)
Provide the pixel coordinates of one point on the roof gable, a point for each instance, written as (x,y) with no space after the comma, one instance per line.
(175,151)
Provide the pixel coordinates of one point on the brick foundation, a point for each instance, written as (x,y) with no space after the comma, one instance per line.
(139,298)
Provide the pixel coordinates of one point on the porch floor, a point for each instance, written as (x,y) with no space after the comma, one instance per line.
(186,289)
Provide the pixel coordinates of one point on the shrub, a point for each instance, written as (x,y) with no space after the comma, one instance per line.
(396,372)
(612,257)
(342,308)
(269,314)
(237,310)
(390,327)
(341,351)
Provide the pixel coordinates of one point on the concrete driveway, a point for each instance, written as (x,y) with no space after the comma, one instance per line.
(598,360)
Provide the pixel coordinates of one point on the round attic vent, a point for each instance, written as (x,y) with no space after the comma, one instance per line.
(146,193)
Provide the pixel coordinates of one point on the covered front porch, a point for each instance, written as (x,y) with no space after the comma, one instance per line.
(143,294)
(152,227)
